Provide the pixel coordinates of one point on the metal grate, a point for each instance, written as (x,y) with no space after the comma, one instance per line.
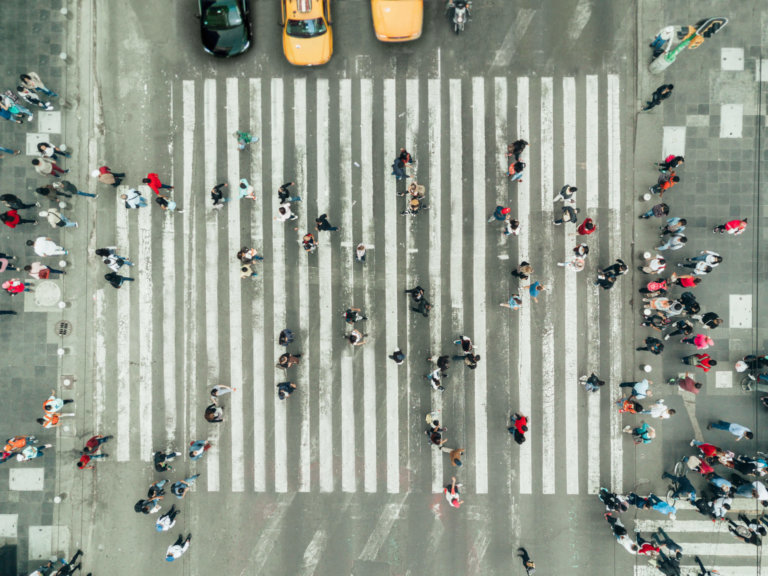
(63,328)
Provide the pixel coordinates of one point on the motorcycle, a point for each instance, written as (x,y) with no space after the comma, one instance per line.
(460,13)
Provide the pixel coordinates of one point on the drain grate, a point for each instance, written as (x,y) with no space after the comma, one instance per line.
(63,328)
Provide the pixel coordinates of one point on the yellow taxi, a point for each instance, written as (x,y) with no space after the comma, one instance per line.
(397,20)
(307,35)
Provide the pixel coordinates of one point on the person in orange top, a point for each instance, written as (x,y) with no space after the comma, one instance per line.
(666,182)
(153,181)
(50,419)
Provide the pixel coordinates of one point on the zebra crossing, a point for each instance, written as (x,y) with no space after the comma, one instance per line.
(190,322)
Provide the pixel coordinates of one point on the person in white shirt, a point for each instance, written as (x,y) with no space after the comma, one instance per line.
(284,212)
(167,520)
(46,247)
(40,271)
(659,410)
(133,199)
(177,549)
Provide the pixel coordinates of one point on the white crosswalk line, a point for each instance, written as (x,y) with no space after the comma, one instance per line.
(524,327)
(541,266)
(434,108)
(146,304)
(210,125)
(348,459)
(168,234)
(257,313)
(300,177)
(479,304)
(326,304)
(391,290)
(235,405)
(570,309)
(123,345)
(99,359)
(277,140)
(593,301)
(313,551)
(615,335)
(366,199)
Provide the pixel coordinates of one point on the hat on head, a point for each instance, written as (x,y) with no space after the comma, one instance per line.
(95,174)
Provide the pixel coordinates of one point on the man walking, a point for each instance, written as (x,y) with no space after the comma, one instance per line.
(736,429)
(153,181)
(177,549)
(322,224)
(660,94)
(46,247)
(133,199)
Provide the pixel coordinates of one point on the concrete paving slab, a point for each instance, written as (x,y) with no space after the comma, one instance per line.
(27,479)
(740,310)
(761,70)
(673,141)
(732,59)
(9,525)
(33,139)
(48,541)
(723,379)
(697,120)
(49,122)
(731,120)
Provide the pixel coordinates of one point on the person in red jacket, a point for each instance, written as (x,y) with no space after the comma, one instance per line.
(586,228)
(15,286)
(688,281)
(153,181)
(703,361)
(734,227)
(12,219)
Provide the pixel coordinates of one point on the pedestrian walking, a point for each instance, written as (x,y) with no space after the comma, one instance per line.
(655,265)
(523,271)
(703,361)
(198,448)
(85,459)
(566,194)
(12,219)
(662,539)
(659,410)
(684,327)
(640,389)
(499,214)
(699,268)
(528,563)
(360,253)
(642,434)
(31,452)
(670,162)
(94,443)
(645,547)
(701,341)
(652,345)
(665,183)
(398,166)
(423,307)
(659,95)
(153,181)
(465,342)
(217,196)
(54,404)
(47,167)
(591,383)
(658,211)
(167,520)
(628,406)
(56,219)
(32,99)
(455,456)
(167,204)
(712,259)
(66,189)
(116,280)
(733,227)
(52,419)
(9,151)
(568,215)
(737,430)
(417,293)
(452,493)
(112,259)
(14,202)
(586,228)
(515,302)
(686,383)
(674,243)
(322,224)
(673,226)
(703,571)
(5,262)
(519,427)
(44,247)
(44,570)
(685,281)
(106,176)
(244,139)
(653,289)
(516,171)
(133,199)
(162,459)
(284,213)
(288,360)
(181,487)
(285,337)
(308,243)
(48,150)
(245,190)
(435,378)
(32,81)
(148,506)
(581,250)
(535,289)
(177,549)
(246,255)
(575,264)
(220,390)
(398,356)
(357,338)
(69,568)
(710,320)
(516,149)
(471,360)
(285,389)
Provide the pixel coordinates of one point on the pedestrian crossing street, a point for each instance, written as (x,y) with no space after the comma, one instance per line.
(356,422)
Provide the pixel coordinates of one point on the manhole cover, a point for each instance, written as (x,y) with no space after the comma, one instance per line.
(63,328)
(47,294)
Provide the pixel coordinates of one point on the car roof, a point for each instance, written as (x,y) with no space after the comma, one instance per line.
(303,9)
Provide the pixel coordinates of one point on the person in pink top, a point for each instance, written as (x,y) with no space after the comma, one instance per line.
(734,227)
(153,181)
(701,341)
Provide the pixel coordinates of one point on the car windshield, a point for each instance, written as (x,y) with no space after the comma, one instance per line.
(306,28)
(220,16)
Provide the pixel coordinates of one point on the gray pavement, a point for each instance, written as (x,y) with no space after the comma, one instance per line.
(339,479)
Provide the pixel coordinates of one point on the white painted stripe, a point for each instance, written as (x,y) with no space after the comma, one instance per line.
(381,531)
(581,14)
(524,466)
(211,273)
(570,308)
(277,141)
(369,357)
(500,98)
(235,405)
(593,301)
(615,333)
(123,344)
(257,309)
(673,139)
(726,570)
(391,289)
(313,551)
(325,348)
(99,358)
(687,526)
(478,301)
(434,112)
(747,505)
(303,374)
(548,427)
(346,276)
(269,535)
(476,552)
(189,398)
(143,277)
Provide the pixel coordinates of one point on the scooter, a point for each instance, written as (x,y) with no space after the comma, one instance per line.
(461,13)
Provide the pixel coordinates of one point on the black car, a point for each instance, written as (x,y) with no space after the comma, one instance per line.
(224,26)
